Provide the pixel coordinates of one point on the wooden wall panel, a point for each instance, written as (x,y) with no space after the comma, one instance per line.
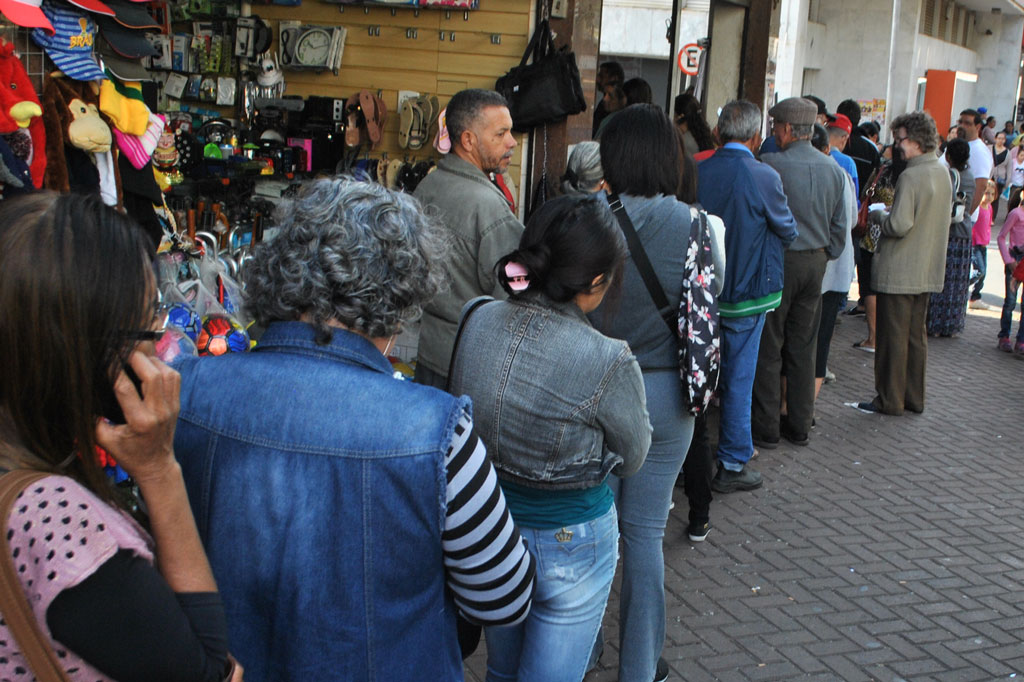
(392,61)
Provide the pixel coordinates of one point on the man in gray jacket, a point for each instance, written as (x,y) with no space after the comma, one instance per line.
(814,188)
(482,226)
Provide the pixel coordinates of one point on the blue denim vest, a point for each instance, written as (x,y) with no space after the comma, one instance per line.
(318,484)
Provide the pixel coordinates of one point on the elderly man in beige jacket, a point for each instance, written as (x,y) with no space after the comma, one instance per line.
(909,263)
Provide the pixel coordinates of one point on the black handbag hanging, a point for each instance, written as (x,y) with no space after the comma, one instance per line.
(548,89)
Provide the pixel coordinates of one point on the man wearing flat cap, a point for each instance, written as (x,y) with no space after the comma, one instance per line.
(814,186)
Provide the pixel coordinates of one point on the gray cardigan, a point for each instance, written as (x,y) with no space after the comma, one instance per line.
(483,229)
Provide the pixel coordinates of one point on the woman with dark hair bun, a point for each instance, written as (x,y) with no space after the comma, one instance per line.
(561,407)
(79,314)
(947,310)
(643,165)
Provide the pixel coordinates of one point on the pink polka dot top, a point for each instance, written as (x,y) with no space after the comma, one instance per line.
(60,533)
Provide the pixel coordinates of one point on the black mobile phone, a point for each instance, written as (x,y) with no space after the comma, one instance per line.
(109,406)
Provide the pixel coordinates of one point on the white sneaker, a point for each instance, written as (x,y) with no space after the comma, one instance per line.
(978,304)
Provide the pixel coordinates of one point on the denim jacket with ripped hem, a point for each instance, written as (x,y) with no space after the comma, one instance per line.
(318,486)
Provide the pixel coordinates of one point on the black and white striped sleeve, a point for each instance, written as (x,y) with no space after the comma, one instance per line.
(487,565)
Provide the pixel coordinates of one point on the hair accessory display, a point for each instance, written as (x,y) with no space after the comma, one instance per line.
(518,277)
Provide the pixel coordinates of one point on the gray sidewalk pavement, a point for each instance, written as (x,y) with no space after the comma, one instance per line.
(890,548)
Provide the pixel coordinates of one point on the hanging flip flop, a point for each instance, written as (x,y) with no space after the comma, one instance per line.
(431,103)
(405,123)
(353,121)
(418,134)
(369,105)
(442,142)
(393,169)
(380,116)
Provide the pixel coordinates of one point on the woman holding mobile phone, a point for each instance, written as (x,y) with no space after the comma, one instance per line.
(78,317)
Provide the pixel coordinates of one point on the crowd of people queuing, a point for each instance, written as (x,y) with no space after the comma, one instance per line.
(322,520)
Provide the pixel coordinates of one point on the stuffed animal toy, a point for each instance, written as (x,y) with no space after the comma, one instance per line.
(72,117)
(20,109)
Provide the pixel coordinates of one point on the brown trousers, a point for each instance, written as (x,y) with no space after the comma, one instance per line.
(901,352)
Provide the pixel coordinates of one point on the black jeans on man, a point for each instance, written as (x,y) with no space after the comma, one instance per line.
(789,341)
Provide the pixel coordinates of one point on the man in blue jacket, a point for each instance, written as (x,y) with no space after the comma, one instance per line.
(747,195)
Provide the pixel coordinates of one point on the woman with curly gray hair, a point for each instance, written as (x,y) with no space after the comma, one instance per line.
(350,255)
(908,265)
(348,514)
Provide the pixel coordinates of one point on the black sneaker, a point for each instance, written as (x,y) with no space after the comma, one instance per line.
(726,481)
(764,442)
(661,672)
(698,531)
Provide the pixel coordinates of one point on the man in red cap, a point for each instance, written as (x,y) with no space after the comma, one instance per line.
(839,130)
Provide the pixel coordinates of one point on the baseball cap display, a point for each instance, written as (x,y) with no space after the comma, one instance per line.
(127,42)
(70,46)
(26,13)
(93,6)
(131,15)
(123,68)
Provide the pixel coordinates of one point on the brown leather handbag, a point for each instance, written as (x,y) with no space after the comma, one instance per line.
(34,645)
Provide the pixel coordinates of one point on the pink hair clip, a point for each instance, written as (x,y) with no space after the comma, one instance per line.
(518,277)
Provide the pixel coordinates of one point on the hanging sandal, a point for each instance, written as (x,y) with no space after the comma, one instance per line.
(406,119)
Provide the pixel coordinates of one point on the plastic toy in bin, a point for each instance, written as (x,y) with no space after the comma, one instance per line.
(221,334)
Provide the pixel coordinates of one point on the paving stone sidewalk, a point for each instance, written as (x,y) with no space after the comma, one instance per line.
(890,548)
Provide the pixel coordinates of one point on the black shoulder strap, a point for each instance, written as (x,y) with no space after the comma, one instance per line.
(458,335)
(643,265)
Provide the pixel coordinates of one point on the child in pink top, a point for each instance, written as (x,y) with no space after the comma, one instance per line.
(981,235)
(1011,248)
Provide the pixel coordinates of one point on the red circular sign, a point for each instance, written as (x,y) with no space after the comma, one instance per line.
(689,58)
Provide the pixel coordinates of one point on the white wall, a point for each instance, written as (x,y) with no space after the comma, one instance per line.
(998,63)
(790,62)
(632,28)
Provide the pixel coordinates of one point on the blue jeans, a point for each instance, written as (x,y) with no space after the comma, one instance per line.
(741,339)
(1009,303)
(643,501)
(979,259)
(574,578)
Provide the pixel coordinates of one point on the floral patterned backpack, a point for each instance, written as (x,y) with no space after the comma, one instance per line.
(695,322)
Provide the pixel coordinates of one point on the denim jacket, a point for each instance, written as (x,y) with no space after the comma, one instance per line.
(318,485)
(559,405)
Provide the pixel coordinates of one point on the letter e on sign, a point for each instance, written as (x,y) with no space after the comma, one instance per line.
(689,58)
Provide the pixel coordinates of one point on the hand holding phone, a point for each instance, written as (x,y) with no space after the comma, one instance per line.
(143,443)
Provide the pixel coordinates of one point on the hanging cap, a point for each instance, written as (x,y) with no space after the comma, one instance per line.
(26,13)
(132,15)
(70,46)
(127,42)
(121,67)
(94,6)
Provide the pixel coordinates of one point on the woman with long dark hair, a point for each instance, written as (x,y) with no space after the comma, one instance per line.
(643,166)
(689,118)
(947,310)
(79,312)
(561,407)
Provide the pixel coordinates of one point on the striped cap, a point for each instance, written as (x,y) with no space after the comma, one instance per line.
(70,47)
